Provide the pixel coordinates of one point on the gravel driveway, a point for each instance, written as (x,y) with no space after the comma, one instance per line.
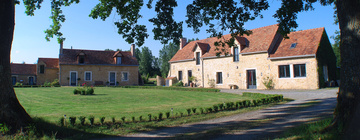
(282,116)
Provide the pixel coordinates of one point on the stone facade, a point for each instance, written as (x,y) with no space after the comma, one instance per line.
(99,74)
(252,69)
(23,73)
(47,70)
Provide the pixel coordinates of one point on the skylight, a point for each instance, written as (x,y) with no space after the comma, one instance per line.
(293,45)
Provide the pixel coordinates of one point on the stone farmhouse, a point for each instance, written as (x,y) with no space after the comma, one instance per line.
(304,61)
(98,67)
(23,73)
(75,67)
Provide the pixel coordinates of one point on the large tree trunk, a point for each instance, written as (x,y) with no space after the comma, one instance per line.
(11,112)
(347,112)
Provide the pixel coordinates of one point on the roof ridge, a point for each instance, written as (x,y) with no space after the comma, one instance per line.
(308,29)
(95,50)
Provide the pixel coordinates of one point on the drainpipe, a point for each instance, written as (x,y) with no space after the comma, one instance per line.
(202,72)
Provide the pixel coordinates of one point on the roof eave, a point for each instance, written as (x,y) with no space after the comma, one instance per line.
(292,57)
(253,52)
(181,60)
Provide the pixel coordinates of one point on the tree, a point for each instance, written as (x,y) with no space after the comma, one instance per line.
(145,65)
(336,48)
(229,15)
(165,54)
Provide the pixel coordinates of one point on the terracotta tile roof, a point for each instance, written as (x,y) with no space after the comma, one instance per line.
(50,62)
(69,56)
(259,40)
(23,69)
(307,43)
(203,46)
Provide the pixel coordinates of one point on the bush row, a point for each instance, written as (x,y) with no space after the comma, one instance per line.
(30,86)
(190,111)
(173,88)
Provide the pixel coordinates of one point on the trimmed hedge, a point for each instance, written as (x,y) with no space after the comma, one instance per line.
(173,88)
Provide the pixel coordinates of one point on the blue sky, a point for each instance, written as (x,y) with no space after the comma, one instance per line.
(83,32)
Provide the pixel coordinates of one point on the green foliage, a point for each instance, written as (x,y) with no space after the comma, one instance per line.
(140,118)
(133,119)
(160,116)
(55,83)
(123,119)
(268,83)
(61,121)
(85,90)
(47,84)
(18,84)
(113,120)
(178,84)
(336,48)
(192,79)
(221,106)
(72,120)
(91,120)
(216,109)
(201,110)
(167,114)
(102,120)
(165,54)
(149,115)
(82,120)
(193,110)
(4,129)
(188,111)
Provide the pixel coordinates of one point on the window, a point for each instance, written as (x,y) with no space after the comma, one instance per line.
(293,45)
(42,69)
(284,71)
(125,76)
(81,59)
(180,75)
(219,78)
(326,73)
(189,75)
(88,76)
(236,54)
(197,58)
(299,70)
(118,60)
(112,78)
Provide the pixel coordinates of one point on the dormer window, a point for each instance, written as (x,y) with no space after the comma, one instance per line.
(81,59)
(236,54)
(197,58)
(293,45)
(118,60)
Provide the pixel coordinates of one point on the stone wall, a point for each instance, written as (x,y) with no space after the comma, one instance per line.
(100,73)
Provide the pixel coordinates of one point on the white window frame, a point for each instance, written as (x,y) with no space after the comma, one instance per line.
(122,76)
(290,71)
(90,75)
(293,70)
(109,77)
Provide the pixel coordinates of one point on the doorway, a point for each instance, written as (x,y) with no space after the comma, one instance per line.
(73,78)
(251,79)
(31,80)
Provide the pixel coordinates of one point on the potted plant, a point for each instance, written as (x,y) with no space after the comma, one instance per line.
(117,83)
(78,79)
(192,80)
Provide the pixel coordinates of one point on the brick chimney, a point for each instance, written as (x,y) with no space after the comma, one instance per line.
(132,49)
(182,43)
(61,47)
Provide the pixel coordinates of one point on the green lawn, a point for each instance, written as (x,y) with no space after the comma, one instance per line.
(53,103)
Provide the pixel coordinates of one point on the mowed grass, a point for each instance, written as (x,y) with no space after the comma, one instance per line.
(52,103)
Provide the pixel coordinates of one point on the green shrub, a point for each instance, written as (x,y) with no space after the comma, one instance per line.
(268,83)
(160,116)
(201,110)
(188,111)
(55,83)
(155,118)
(61,121)
(113,120)
(133,119)
(123,119)
(140,118)
(178,84)
(47,84)
(102,120)
(82,120)
(211,83)
(72,120)
(91,120)
(181,114)
(221,105)
(173,88)
(3,129)
(75,91)
(210,109)
(167,114)
(89,91)
(149,115)
(216,108)
(18,84)
(193,110)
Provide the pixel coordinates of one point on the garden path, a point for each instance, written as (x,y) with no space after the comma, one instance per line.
(282,117)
